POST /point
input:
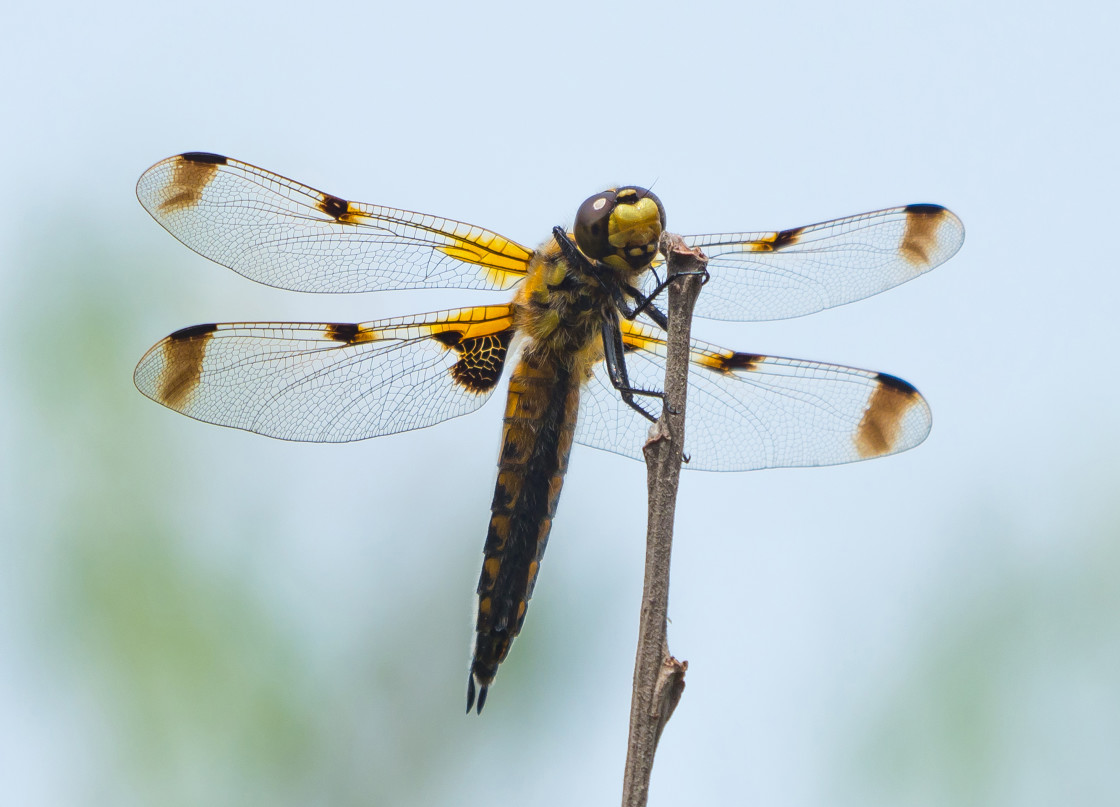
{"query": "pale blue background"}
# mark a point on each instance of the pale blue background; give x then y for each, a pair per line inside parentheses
(197, 616)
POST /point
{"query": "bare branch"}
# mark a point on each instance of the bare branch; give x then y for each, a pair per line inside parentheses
(658, 677)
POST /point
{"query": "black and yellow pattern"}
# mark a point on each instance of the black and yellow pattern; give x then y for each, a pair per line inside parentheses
(335, 382)
(331, 382)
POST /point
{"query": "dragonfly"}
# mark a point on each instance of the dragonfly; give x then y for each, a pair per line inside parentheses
(582, 333)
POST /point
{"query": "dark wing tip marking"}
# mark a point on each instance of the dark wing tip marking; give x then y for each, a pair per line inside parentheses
(880, 428)
(925, 209)
(193, 332)
(896, 384)
(333, 206)
(345, 332)
(203, 157)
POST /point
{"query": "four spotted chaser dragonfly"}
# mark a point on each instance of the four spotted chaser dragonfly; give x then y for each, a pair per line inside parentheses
(582, 332)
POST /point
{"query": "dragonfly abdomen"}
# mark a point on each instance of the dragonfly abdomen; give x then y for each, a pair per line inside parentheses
(537, 436)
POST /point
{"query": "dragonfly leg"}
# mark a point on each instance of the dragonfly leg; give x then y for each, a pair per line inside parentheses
(614, 354)
(645, 303)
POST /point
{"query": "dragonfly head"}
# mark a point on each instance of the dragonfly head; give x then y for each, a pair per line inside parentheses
(620, 227)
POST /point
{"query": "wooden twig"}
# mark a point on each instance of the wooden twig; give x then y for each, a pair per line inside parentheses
(658, 677)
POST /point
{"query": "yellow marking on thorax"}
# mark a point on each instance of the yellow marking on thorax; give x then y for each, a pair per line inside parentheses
(545, 270)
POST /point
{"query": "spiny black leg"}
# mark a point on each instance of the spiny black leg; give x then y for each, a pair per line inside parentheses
(614, 356)
(613, 349)
(567, 246)
(646, 305)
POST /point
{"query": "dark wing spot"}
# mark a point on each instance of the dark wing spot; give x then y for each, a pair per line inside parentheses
(342, 332)
(925, 210)
(481, 358)
(448, 338)
(193, 332)
(741, 361)
(204, 157)
(896, 384)
(787, 238)
(333, 206)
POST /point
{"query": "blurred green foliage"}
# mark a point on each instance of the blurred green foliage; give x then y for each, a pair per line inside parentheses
(1012, 696)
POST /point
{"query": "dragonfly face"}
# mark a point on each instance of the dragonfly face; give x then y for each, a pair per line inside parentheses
(620, 227)
(581, 359)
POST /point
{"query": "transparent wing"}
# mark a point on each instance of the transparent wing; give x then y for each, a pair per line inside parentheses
(284, 234)
(329, 383)
(747, 412)
(790, 273)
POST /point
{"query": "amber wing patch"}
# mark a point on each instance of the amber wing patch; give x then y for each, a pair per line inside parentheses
(183, 354)
(193, 171)
(880, 428)
(919, 242)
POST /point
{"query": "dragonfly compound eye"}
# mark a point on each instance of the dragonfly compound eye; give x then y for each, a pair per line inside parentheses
(620, 227)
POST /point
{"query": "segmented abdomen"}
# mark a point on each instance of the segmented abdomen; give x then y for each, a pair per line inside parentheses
(537, 436)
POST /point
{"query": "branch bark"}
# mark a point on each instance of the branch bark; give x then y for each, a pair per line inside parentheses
(658, 677)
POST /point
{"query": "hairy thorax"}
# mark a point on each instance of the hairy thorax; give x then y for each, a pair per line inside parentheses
(561, 308)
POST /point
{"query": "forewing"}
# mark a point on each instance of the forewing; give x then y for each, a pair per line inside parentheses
(284, 234)
(790, 273)
(747, 412)
(327, 383)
